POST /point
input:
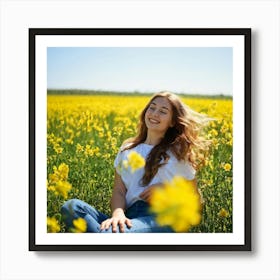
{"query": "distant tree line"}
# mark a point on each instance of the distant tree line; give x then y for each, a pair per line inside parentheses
(136, 93)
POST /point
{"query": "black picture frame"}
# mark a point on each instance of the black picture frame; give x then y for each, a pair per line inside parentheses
(34, 33)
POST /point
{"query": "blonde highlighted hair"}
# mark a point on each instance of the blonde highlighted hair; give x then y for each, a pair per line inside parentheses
(185, 139)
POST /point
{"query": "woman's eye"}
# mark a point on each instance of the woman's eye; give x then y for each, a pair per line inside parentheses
(163, 112)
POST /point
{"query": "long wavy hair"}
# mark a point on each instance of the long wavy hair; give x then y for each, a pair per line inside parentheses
(184, 139)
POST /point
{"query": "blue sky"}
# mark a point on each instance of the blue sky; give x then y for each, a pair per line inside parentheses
(201, 70)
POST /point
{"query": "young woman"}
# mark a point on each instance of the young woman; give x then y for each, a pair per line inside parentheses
(170, 142)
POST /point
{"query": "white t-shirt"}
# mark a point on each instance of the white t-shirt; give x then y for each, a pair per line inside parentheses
(165, 173)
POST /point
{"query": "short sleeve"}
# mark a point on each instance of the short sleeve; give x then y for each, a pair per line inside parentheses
(184, 169)
(176, 168)
(120, 157)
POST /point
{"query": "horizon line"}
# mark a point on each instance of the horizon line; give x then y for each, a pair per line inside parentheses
(139, 91)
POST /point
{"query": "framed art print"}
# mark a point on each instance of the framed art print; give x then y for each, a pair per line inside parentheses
(87, 89)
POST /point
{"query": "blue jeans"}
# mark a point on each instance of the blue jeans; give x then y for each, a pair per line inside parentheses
(142, 220)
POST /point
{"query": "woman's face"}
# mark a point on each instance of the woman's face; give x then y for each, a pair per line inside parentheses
(158, 116)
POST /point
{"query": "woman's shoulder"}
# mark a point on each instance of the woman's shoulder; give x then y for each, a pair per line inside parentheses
(181, 166)
(173, 159)
(126, 144)
(138, 147)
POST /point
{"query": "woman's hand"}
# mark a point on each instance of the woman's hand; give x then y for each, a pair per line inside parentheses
(118, 220)
(147, 193)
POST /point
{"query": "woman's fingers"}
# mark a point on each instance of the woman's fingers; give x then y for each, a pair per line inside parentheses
(115, 223)
(128, 223)
(124, 222)
(114, 226)
(121, 226)
(106, 224)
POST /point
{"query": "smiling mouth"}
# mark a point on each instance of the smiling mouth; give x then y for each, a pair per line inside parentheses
(153, 121)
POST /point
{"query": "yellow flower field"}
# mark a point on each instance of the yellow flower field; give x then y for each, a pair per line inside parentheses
(84, 134)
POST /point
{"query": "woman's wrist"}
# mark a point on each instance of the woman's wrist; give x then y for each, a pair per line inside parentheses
(118, 211)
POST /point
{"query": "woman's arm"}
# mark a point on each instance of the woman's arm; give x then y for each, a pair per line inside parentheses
(118, 207)
(146, 194)
(118, 195)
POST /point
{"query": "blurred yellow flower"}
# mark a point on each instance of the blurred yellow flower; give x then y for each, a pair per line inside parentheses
(52, 225)
(80, 225)
(125, 164)
(227, 167)
(177, 204)
(135, 161)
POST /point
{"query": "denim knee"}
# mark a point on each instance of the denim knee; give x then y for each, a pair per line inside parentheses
(70, 207)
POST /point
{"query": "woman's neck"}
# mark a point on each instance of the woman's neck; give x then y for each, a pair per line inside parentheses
(153, 139)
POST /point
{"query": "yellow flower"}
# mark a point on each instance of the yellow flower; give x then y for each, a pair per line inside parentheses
(58, 149)
(91, 151)
(63, 170)
(51, 188)
(69, 141)
(60, 173)
(52, 225)
(230, 142)
(135, 161)
(223, 213)
(62, 188)
(214, 132)
(79, 148)
(227, 167)
(177, 204)
(209, 163)
(58, 180)
(80, 225)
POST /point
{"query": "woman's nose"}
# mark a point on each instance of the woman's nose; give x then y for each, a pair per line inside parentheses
(156, 113)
